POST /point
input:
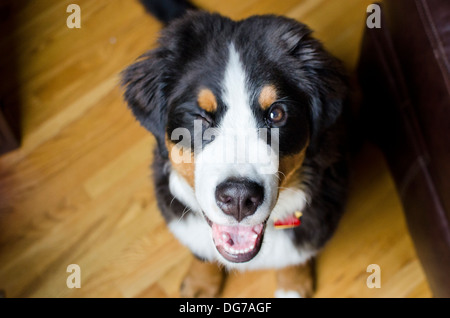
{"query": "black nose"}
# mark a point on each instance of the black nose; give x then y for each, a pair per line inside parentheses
(239, 197)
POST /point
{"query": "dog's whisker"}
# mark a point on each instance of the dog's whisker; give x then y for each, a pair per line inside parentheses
(284, 99)
(298, 191)
(185, 211)
(280, 172)
(171, 201)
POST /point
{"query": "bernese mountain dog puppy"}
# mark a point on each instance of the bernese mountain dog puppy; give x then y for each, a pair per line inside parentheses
(250, 166)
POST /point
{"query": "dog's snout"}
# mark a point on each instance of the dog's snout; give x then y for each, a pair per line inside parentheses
(239, 198)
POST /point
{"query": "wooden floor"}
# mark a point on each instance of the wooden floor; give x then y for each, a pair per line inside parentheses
(78, 190)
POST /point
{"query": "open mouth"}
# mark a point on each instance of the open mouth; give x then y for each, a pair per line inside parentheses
(237, 243)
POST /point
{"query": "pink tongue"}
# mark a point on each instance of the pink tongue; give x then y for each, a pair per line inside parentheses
(238, 238)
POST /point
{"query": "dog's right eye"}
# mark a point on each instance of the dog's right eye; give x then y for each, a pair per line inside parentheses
(276, 116)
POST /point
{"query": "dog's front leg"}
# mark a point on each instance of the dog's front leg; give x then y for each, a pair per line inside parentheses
(203, 280)
(296, 281)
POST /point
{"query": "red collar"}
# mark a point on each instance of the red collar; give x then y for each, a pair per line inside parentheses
(288, 222)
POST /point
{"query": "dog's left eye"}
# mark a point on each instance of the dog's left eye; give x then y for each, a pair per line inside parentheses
(276, 116)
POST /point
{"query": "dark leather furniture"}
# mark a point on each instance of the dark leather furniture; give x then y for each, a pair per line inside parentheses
(8, 139)
(403, 73)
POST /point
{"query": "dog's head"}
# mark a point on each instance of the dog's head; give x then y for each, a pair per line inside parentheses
(235, 107)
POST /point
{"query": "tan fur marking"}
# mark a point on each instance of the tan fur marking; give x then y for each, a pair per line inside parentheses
(202, 280)
(185, 169)
(289, 165)
(267, 96)
(298, 278)
(206, 100)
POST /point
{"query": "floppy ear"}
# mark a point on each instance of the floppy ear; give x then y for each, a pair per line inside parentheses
(327, 83)
(144, 92)
(332, 88)
(319, 74)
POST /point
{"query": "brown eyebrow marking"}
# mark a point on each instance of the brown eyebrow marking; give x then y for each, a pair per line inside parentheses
(267, 96)
(207, 100)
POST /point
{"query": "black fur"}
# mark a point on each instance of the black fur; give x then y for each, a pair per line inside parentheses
(167, 10)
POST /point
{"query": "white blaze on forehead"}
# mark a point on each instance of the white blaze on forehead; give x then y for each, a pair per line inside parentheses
(235, 95)
(234, 149)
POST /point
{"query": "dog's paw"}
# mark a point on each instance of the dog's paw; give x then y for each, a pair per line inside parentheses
(281, 293)
(203, 280)
(193, 288)
(302, 290)
(296, 281)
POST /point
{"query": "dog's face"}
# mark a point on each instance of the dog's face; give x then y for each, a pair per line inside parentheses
(235, 107)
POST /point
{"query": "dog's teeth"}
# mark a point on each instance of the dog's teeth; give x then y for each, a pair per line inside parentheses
(254, 236)
(246, 250)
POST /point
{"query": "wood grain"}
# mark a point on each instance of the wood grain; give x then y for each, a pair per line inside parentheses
(78, 190)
